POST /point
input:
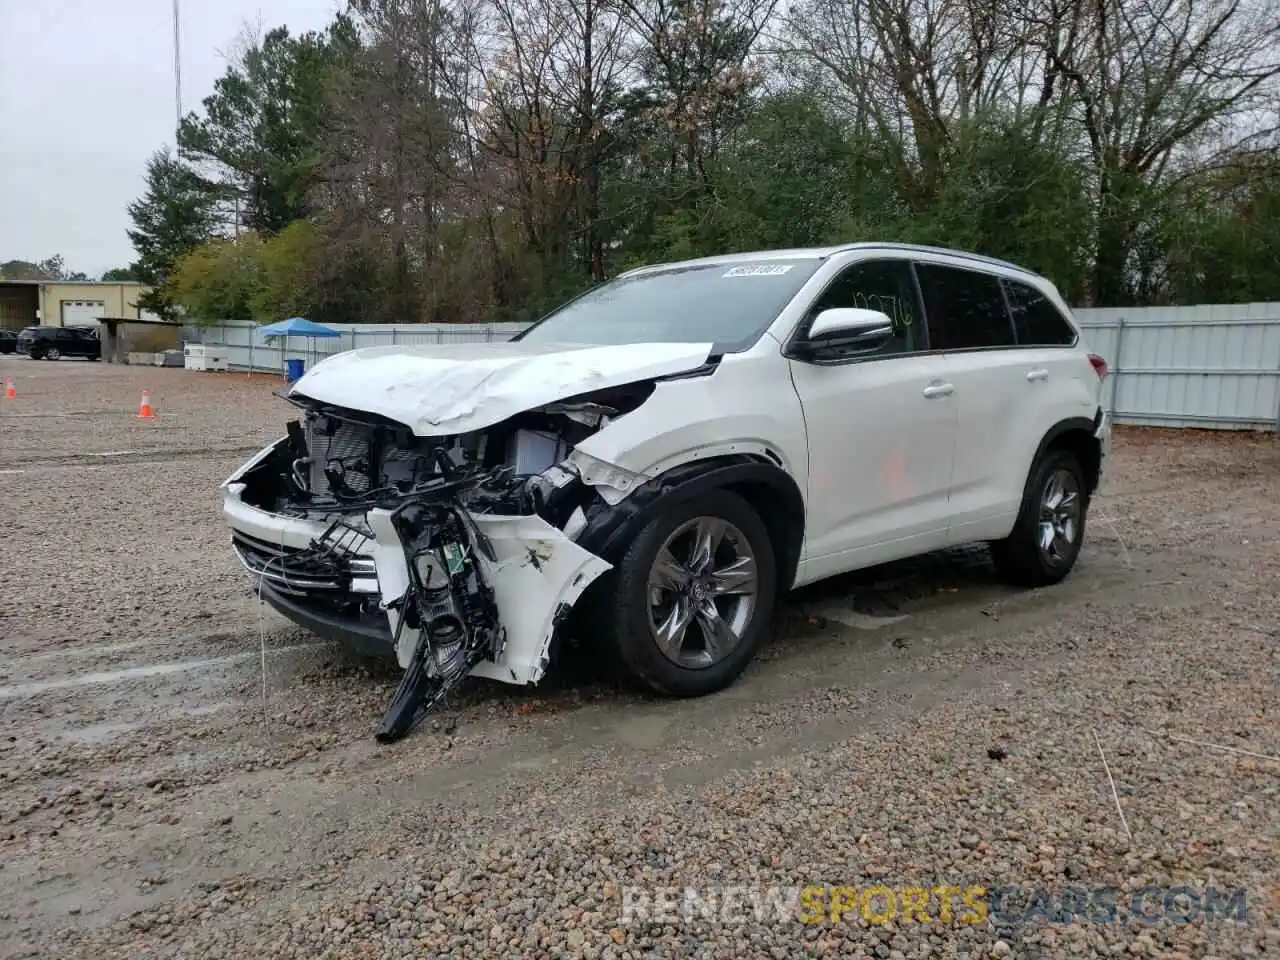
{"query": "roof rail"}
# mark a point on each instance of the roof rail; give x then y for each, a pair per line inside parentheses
(823, 253)
(946, 251)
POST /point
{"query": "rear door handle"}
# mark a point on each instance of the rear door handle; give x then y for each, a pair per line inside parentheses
(1038, 374)
(936, 390)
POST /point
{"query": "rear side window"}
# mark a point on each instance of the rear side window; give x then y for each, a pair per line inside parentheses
(964, 310)
(1037, 321)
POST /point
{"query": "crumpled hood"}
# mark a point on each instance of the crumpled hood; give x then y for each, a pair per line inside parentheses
(450, 388)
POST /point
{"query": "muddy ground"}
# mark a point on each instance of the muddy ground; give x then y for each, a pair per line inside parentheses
(162, 794)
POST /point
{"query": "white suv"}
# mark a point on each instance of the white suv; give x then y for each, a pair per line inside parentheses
(689, 440)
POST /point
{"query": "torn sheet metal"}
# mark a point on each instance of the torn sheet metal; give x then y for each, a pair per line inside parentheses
(392, 571)
(613, 483)
(536, 573)
(444, 389)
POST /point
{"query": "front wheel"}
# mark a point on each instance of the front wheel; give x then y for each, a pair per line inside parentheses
(693, 597)
(53, 353)
(1049, 531)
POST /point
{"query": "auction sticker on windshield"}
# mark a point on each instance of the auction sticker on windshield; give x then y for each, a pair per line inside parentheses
(760, 270)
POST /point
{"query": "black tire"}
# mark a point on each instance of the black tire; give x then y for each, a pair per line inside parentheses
(35, 354)
(622, 609)
(1020, 558)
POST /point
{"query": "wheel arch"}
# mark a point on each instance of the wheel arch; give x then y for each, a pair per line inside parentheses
(1076, 434)
(770, 490)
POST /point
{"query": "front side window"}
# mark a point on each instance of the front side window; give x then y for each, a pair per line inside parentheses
(727, 304)
(883, 285)
(965, 309)
(1035, 318)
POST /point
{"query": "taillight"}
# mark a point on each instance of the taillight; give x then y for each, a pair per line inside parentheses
(1099, 366)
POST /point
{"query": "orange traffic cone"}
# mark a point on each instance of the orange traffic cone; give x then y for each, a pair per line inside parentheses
(144, 409)
(9, 392)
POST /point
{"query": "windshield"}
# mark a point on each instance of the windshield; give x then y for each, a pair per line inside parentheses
(728, 304)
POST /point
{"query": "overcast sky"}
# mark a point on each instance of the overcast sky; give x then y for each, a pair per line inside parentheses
(86, 95)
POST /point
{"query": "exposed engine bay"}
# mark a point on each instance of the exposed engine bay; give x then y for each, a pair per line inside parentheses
(414, 529)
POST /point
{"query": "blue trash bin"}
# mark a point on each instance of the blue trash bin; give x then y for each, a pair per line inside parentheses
(294, 367)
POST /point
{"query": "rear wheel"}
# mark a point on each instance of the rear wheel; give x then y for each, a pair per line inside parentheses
(1046, 539)
(693, 597)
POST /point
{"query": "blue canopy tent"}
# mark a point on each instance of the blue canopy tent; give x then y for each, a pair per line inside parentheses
(297, 327)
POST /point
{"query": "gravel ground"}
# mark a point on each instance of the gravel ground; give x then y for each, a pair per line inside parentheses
(914, 726)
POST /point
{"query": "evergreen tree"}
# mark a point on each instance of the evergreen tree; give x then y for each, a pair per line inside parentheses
(176, 213)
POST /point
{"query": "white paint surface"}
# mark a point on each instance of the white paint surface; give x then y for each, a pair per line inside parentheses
(444, 389)
(537, 568)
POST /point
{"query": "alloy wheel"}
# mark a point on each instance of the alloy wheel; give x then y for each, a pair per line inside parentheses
(1060, 512)
(703, 587)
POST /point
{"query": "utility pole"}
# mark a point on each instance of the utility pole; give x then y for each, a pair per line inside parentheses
(177, 75)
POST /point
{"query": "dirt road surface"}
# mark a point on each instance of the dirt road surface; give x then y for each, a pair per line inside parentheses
(920, 725)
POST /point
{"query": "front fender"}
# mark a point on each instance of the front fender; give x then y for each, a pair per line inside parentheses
(610, 528)
(748, 405)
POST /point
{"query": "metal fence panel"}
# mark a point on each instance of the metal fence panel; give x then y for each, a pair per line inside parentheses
(1215, 366)
(247, 349)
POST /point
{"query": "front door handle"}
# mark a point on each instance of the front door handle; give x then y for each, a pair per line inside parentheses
(936, 390)
(1039, 373)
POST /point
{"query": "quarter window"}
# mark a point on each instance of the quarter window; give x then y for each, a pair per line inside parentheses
(965, 309)
(884, 285)
(1035, 318)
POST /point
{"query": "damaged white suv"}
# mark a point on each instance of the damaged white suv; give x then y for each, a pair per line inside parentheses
(693, 439)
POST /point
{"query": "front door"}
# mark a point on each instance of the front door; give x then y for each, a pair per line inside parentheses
(880, 425)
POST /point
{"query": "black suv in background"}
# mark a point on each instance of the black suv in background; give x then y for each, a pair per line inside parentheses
(8, 341)
(50, 343)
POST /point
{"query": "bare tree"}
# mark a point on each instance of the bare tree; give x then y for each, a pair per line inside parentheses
(697, 61)
(1155, 84)
(551, 71)
(911, 73)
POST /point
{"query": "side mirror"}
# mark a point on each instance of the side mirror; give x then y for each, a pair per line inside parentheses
(852, 323)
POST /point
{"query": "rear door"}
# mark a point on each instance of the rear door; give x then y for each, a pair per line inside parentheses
(1060, 378)
(68, 342)
(969, 323)
(87, 343)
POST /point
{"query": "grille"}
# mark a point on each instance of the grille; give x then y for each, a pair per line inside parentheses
(299, 572)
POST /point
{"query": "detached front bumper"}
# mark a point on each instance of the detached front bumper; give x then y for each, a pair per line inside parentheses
(346, 592)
